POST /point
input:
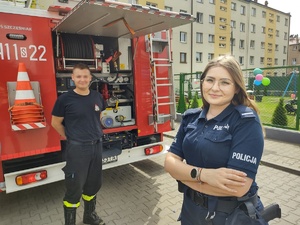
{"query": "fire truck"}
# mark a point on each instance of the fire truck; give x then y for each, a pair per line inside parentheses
(128, 50)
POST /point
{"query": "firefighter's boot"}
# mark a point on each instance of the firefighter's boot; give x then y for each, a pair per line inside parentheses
(70, 215)
(89, 214)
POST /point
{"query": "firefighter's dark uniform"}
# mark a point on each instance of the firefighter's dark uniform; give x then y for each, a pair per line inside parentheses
(83, 170)
(233, 139)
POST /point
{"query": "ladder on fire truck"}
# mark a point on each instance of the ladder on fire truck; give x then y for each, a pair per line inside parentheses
(157, 83)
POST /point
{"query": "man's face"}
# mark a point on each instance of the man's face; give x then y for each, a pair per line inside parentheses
(81, 78)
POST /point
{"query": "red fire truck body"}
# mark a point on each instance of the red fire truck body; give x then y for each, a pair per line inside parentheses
(127, 48)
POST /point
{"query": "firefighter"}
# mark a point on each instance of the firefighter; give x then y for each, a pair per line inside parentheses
(218, 148)
(76, 117)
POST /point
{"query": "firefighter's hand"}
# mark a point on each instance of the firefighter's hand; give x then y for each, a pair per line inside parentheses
(223, 178)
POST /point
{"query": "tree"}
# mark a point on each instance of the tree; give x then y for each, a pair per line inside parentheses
(190, 94)
(279, 116)
(195, 103)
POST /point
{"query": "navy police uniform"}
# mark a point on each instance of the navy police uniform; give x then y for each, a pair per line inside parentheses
(233, 139)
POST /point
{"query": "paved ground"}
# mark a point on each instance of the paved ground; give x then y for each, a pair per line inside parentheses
(143, 194)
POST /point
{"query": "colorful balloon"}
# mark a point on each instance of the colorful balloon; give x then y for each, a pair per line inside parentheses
(257, 82)
(257, 71)
(259, 77)
(265, 81)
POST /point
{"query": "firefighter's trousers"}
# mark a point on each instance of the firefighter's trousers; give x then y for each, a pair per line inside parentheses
(83, 171)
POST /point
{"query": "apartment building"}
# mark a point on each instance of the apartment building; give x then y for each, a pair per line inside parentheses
(294, 50)
(256, 34)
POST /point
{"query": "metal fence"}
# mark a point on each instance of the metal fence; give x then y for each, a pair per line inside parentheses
(274, 89)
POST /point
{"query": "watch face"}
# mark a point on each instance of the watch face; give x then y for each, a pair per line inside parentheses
(193, 173)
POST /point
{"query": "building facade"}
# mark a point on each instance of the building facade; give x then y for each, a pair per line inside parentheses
(256, 34)
(294, 50)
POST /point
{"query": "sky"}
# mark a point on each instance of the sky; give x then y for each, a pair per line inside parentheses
(287, 6)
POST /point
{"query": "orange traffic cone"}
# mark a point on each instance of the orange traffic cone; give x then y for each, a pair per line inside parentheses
(24, 92)
(25, 109)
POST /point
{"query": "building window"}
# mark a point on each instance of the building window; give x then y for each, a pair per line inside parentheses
(199, 17)
(233, 42)
(251, 60)
(286, 22)
(222, 38)
(242, 27)
(241, 60)
(223, 1)
(168, 8)
(242, 44)
(262, 45)
(233, 23)
(263, 30)
(151, 4)
(223, 20)
(183, 37)
(270, 45)
(277, 33)
(285, 35)
(211, 56)
(276, 47)
(252, 44)
(263, 14)
(284, 49)
(262, 60)
(211, 38)
(222, 27)
(253, 12)
(294, 47)
(276, 61)
(211, 19)
(200, 1)
(283, 62)
(222, 8)
(182, 57)
(198, 56)
(221, 45)
(243, 10)
(278, 18)
(252, 28)
(233, 6)
(199, 37)
(183, 11)
(212, 1)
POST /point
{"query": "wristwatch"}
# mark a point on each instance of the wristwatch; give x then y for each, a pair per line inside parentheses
(194, 173)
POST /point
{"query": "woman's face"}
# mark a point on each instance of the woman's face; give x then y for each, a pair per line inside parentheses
(218, 87)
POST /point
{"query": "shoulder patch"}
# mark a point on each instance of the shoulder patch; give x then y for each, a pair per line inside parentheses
(191, 112)
(245, 112)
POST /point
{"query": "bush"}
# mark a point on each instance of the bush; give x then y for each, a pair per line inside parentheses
(196, 94)
(190, 94)
(279, 116)
(195, 103)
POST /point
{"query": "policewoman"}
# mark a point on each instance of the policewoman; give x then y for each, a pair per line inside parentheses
(218, 147)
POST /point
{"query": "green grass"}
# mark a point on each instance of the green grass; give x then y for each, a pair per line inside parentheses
(267, 107)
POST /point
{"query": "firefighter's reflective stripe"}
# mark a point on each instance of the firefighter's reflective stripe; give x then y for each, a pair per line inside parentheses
(88, 198)
(71, 205)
